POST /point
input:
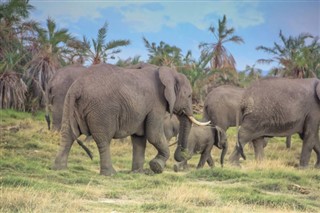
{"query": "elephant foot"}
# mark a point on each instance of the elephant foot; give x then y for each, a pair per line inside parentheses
(108, 172)
(180, 166)
(157, 165)
(235, 164)
(138, 171)
(59, 166)
(176, 168)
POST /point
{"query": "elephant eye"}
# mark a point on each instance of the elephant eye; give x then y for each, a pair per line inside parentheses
(189, 96)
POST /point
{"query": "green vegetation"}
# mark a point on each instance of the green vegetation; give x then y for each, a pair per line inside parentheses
(28, 184)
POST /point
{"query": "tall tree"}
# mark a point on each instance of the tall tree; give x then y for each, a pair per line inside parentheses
(216, 51)
(48, 57)
(13, 55)
(163, 54)
(294, 57)
(102, 50)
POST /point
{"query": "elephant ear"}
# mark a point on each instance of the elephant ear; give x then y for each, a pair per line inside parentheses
(170, 92)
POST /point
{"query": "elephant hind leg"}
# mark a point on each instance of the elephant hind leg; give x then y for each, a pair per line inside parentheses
(205, 156)
(67, 139)
(103, 144)
(244, 136)
(138, 154)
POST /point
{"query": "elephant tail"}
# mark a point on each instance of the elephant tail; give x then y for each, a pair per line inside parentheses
(69, 120)
(86, 149)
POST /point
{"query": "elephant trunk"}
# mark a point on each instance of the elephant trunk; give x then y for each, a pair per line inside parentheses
(223, 153)
(181, 152)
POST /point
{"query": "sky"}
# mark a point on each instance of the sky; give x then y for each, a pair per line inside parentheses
(185, 23)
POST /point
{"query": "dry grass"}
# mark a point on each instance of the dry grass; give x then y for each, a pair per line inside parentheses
(28, 184)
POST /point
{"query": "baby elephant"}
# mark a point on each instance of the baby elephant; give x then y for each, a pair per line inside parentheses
(201, 141)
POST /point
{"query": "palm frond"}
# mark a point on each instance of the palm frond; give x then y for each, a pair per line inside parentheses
(116, 43)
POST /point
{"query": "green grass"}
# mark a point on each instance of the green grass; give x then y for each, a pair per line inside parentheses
(28, 184)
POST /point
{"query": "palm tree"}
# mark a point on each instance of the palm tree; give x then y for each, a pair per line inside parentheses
(293, 56)
(128, 62)
(249, 74)
(163, 54)
(13, 55)
(218, 54)
(103, 51)
(49, 49)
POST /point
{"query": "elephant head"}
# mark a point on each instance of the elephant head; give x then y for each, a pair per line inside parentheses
(178, 94)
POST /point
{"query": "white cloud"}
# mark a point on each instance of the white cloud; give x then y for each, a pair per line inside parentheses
(143, 18)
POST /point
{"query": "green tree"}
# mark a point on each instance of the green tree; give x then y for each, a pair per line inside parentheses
(294, 57)
(14, 31)
(249, 74)
(48, 57)
(163, 54)
(128, 62)
(102, 50)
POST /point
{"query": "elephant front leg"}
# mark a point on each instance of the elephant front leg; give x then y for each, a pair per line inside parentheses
(310, 141)
(316, 148)
(103, 144)
(210, 161)
(158, 163)
(138, 155)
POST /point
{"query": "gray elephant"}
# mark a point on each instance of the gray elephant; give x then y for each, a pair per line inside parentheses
(127, 103)
(56, 91)
(201, 141)
(281, 107)
(222, 106)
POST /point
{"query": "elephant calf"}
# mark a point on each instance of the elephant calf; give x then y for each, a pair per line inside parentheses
(201, 141)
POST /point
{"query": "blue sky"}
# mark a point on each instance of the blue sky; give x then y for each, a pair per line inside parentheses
(185, 23)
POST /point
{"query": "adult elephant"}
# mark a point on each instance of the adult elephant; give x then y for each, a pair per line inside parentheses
(281, 107)
(222, 106)
(128, 103)
(56, 91)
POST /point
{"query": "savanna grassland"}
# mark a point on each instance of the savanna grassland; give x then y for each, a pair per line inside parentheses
(27, 184)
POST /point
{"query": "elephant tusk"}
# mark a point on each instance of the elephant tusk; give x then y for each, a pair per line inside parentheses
(193, 120)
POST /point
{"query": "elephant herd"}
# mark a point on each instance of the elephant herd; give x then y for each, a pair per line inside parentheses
(151, 103)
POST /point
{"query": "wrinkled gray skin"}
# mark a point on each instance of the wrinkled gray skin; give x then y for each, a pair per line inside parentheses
(171, 126)
(127, 103)
(221, 106)
(281, 107)
(57, 90)
(201, 141)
